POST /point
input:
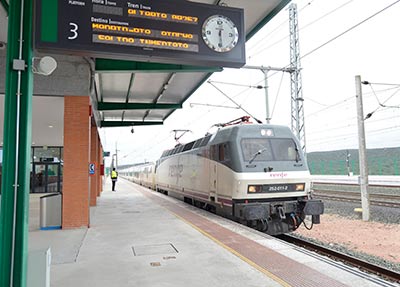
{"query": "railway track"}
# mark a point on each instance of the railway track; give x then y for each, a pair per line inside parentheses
(387, 200)
(347, 259)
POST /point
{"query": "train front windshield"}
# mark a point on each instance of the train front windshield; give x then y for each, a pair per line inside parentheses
(271, 149)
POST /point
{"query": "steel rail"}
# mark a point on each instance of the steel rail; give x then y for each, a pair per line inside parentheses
(336, 255)
(375, 199)
(393, 184)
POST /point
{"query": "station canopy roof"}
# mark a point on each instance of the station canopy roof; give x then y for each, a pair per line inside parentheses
(128, 93)
(137, 93)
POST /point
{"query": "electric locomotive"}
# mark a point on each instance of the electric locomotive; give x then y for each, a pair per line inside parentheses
(255, 174)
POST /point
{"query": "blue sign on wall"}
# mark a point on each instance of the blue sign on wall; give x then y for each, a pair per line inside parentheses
(92, 168)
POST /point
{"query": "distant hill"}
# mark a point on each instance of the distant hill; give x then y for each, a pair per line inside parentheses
(383, 161)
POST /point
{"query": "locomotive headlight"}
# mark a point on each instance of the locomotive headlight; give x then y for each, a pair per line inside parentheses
(300, 187)
(254, 188)
(267, 132)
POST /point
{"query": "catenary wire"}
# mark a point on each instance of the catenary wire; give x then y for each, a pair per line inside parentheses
(277, 28)
(277, 96)
(328, 129)
(348, 30)
(343, 33)
(331, 106)
(186, 125)
(301, 28)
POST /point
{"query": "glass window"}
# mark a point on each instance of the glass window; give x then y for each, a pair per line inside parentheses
(197, 143)
(47, 169)
(251, 147)
(224, 152)
(47, 154)
(205, 140)
(221, 152)
(284, 149)
(273, 149)
(188, 146)
(214, 152)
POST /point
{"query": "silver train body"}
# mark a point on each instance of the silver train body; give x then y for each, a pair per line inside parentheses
(142, 174)
(254, 174)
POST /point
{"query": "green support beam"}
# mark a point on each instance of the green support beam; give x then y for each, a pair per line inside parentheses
(106, 65)
(136, 106)
(17, 141)
(5, 5)
(109, 124)
(128, 93)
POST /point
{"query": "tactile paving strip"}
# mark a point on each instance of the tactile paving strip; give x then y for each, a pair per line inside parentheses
(287, 270)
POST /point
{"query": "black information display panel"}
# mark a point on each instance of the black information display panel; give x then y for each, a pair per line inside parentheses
(168, 31)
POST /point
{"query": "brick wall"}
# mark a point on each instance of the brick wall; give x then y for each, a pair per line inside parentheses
(101, 162)
(76, 160)
(94, 159)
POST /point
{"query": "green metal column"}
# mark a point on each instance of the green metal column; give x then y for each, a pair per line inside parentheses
(17, 148)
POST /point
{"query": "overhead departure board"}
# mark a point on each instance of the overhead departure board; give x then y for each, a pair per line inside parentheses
(168, 31)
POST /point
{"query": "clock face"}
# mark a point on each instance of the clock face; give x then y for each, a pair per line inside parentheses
(220, 33)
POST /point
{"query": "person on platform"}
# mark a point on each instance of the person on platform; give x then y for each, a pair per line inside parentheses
(114, 178)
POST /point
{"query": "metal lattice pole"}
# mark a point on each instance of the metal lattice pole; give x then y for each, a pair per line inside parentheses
(296, 89)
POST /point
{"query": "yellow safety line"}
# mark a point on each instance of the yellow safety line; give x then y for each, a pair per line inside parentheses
(245, 259)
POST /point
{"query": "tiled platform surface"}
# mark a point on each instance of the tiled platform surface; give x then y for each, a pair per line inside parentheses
(141, 238)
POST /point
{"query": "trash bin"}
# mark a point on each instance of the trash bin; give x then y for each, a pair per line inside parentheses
(50, 211)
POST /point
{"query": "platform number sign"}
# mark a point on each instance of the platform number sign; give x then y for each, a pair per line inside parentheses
(92, 168)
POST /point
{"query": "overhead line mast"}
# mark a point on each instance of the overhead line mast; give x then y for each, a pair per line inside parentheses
(296, 88)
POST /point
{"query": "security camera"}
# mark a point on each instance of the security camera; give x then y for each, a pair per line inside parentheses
(46, 65)
(132, 130)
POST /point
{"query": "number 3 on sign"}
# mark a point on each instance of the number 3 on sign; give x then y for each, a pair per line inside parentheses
(74, 31)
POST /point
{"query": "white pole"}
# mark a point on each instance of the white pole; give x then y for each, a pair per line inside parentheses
(267, 115)
(363, 179)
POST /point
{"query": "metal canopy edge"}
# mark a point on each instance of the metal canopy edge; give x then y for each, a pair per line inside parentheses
(135, 106)
(107, 65)
(105, 124)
